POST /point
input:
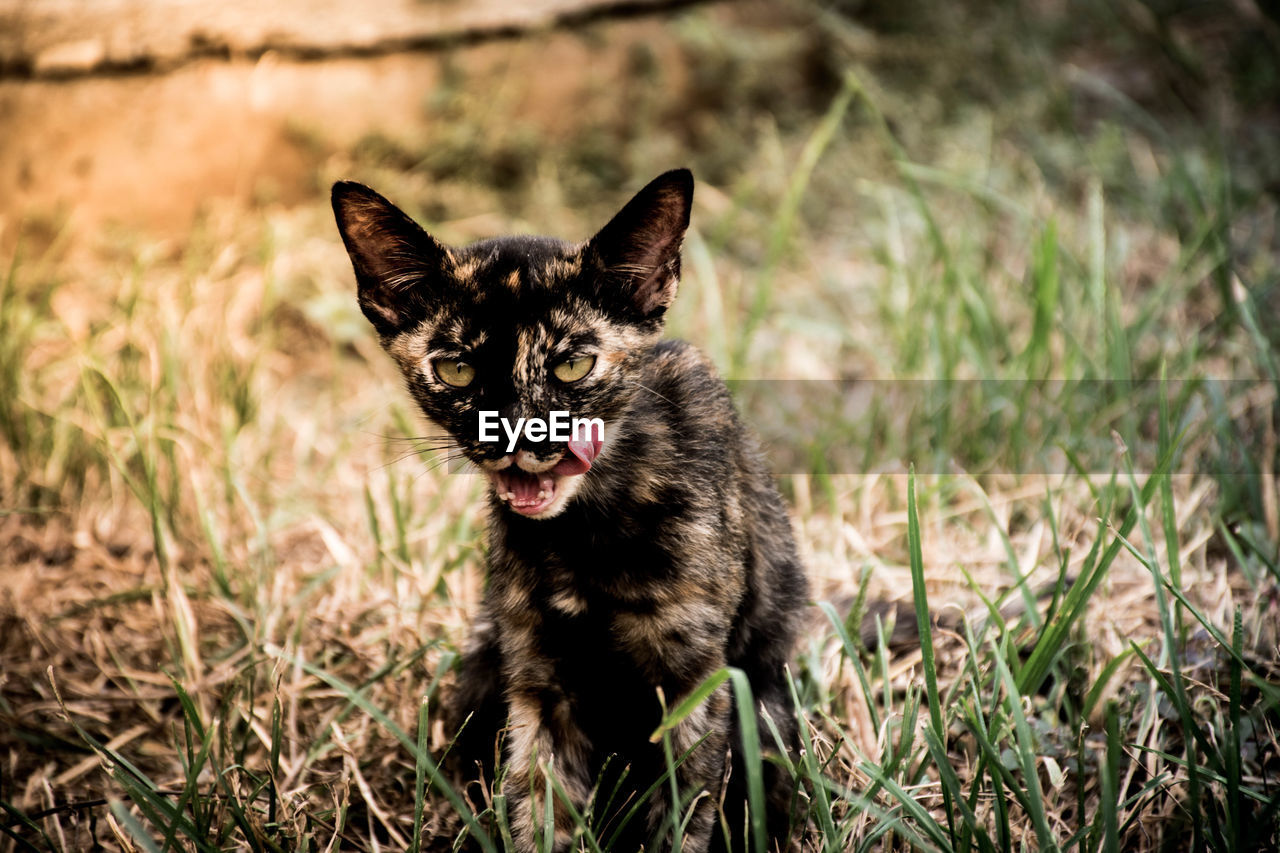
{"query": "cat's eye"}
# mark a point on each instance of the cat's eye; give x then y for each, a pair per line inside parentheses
(454, 371)
(573, 369)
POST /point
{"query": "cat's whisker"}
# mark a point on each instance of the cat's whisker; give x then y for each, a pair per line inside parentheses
(644, 387)
(436, 464)
(386, 436)
(419, 439)
(390, 462)
(434, 456)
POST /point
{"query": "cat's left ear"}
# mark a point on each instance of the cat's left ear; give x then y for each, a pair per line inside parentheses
(640, 247)
(397, 264)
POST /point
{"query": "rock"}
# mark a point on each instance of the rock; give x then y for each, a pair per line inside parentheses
(70, 57)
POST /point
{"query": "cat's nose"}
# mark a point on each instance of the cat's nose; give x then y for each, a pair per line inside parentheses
(528, 461)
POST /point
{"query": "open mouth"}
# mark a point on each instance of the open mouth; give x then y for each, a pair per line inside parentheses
(527, 494)
(532, 494)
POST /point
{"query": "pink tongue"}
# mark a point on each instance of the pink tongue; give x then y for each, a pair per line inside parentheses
(579, 458)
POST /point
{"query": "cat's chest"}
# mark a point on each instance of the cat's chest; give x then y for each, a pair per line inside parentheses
(590, 646)
(639, 604)
(580, 563)
(583, 613)
(593, 605)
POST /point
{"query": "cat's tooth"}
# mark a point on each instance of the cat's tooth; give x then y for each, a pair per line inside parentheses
(541, 494)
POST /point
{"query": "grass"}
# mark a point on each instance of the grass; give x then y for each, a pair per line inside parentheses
(1039, 388)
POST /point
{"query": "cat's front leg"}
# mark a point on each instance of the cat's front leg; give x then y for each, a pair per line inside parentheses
(544, 741)
(678, 643)
(704, 736)
(477, 709)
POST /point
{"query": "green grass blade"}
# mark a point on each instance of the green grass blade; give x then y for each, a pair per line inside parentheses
(1045, 303)
(548, 839)
(852, 652)
(921, 600)
(1054, 636)
(1166, 685)
(948, 778)
(979, 730)
(420, 774)
(579, 819)
(783, 226)
(1110, 772)
(1231, 754)
(919, 815)
(751, 758)
(690, 703)
(1102, 679)
(1025, 748)
(131, 825)
(19, 818)
(811, 771)
(643, 800)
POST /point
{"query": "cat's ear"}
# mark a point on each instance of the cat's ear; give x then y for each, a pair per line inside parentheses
(396, 262)
(640, 247)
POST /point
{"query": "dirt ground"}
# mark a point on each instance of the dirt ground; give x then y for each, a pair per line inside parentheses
(253, 120)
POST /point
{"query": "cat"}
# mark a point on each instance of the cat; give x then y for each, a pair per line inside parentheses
(626, 564)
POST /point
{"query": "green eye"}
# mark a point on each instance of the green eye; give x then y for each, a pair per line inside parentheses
(573, 369)
(454, 371)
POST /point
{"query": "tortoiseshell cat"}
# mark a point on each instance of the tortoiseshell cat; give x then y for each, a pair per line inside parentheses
(646, 558)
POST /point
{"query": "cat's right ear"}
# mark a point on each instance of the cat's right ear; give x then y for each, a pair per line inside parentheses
(395, 261)
(640, 247)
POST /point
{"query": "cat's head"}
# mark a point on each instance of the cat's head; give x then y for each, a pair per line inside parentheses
(521, 327)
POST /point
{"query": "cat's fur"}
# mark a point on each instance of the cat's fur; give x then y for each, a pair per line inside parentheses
(669, 558)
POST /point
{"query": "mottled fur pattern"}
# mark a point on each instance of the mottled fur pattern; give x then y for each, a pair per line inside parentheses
(671, 557)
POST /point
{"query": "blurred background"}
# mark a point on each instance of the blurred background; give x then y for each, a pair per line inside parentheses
(1029, 248)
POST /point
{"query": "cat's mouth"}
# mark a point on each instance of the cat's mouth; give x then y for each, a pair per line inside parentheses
(542, 494)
